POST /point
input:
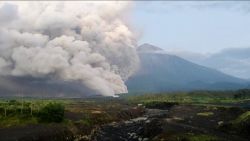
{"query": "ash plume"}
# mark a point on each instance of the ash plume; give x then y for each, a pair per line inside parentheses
(88, 42)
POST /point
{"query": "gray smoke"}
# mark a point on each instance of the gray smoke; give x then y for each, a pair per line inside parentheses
(88, 42)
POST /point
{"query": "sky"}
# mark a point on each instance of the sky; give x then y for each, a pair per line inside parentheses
(197, 31)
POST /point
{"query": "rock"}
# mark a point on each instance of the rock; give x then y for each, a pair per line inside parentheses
(220, 123)
(138, 129)
(156, 113)
(139, 105)
(152, 128)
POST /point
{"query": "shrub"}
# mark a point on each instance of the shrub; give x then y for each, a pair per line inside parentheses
(242, 123)
(242, 94)
(52, 112)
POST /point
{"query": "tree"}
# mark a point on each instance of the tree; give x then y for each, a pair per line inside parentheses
(52, 112)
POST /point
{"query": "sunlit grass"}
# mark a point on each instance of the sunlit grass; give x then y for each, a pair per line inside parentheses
(242, 118)
(205, 114)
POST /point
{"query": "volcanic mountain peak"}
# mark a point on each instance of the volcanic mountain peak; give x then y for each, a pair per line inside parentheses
(148, 48)
(161, 72)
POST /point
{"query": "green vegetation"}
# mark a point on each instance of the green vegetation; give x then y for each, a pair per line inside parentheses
(96, 119)
(17, 120)
(242, 118)
(195, 97)
(205, 114)
(242, 123)
(242, 94)
(29, 111)
(201, 137)
(205, 110)
(21, 111)
(52, 112)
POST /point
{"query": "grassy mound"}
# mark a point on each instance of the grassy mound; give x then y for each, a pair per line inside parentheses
(240, 125)
(243, 118)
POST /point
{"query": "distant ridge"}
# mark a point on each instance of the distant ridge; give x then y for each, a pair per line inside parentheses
(160, 72)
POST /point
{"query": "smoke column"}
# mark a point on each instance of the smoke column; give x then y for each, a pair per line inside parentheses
(89, 42)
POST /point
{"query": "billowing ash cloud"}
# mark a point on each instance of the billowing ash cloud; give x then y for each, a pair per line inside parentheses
(89, 42)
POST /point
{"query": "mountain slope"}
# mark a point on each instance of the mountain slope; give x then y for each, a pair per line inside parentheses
(163, 72)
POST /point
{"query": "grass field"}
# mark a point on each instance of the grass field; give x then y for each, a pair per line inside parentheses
(195, 97)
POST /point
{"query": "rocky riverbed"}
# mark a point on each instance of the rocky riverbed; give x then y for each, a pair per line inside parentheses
(139, 129)
(180, 122)
(174, 123)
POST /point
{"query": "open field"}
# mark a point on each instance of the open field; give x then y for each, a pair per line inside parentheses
(200, 115)
(230, 98)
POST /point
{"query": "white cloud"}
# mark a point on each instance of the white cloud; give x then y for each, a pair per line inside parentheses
(233, 61)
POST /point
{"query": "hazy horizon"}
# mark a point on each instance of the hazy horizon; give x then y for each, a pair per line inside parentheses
(199, 31)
